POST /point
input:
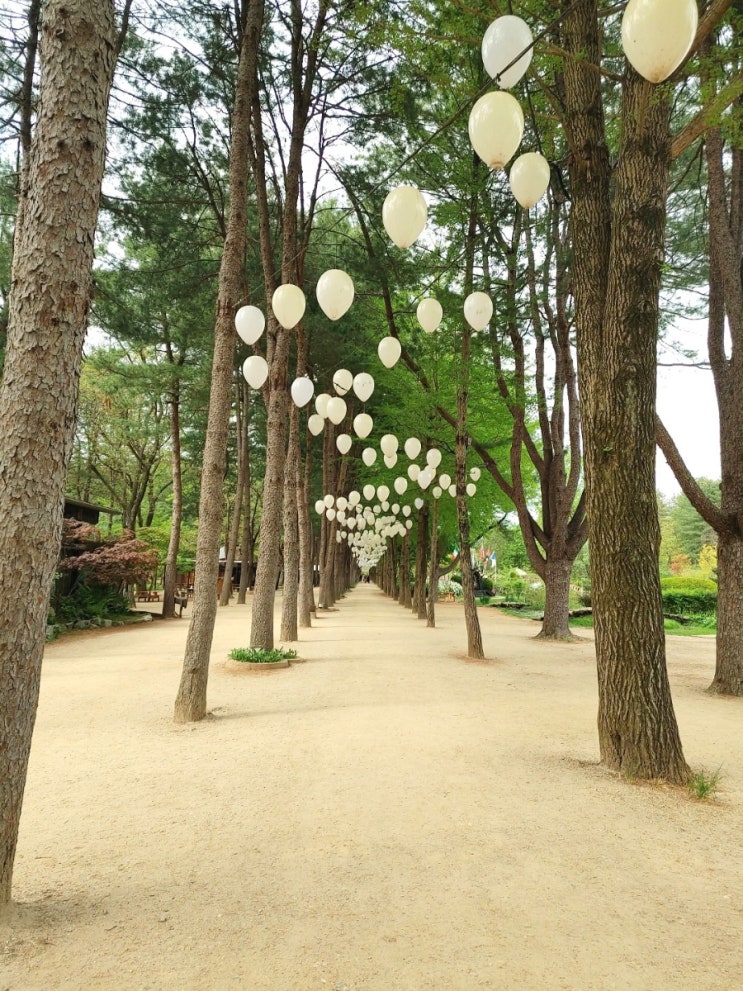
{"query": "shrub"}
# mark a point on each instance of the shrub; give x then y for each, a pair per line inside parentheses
(685, 594)
(259, 655)
(448, 587)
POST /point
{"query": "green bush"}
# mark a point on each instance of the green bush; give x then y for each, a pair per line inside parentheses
(688, 595)
(259, 655)
(90, 602)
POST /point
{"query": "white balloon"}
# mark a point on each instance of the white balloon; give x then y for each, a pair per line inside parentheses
(336, 409)
(302, 390)
(430, 314)
(382, 492)
(388, 444)
(433, 458)
(390, 460)
(342, 503)
(395, 508)
(504, 39)
(255, 370)
(342, 381)
(319, 507)
(475, 474)
(330, 513)
(657, 35)
(329, 500)
(452, 491)
(496, 126)
(363, 386)
(412, 447)
(249, 323)
(444, 481)
(368, 456)
(404, 214)
(343, 442)
(436, 492)
(425, 478)
(400, 484)
(419, 503)
(354, 498)
(529, 178)
(471, 489)
(413, 472)
(409, 524)
(389, 351)
(288, 305)
(406, 510)
(385, 506)
(478, 309)
(321, 404)
(315, 424)
(369, 492)
(335, 293)
(362, 425)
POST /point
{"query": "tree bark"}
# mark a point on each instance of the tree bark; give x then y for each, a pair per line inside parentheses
(404, 598)
(433, 570)
(49, 303)
(555, 625)
(289, 602)
(176, 512)
(306, 560)
(421, 558)
(618, 253)
(246, 542)
(190, 703)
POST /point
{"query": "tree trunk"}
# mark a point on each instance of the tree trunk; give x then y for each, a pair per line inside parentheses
(246, 542)
(46, 330)
(176, 513)
(404, 598)
(306, 560)
(555, 625)
(618, 253)
(728, 678)
(421, 558)
(190, 703)
(289, 602)
(231, 548)
(433, 570)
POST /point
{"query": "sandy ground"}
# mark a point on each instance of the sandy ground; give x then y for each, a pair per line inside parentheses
(385, 816)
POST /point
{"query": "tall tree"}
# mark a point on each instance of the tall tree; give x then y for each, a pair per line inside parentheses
(47, 323)
(190, 703)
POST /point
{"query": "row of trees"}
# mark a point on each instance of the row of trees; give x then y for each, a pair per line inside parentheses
(203, 218)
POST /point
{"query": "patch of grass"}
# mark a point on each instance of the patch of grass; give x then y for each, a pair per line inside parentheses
(258, 655)
(703, 785)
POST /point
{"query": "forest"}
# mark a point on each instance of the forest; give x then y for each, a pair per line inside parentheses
(479, 395)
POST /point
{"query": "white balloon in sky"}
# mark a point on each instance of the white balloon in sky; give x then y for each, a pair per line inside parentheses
(302, 390)
(335, 293)
(404, 215)
(412, 447)
(529, 178)
(658, 34)
(343, 442)
(255, 370)
(368, 456)
(362, 425)
(315, 424)
(430, 314)
(249, 323)
(505, 38)
(496, 126)
(288, 305)
(478, 309)
(336, 409)
(363, 386)
(342, 381)
(389, 351)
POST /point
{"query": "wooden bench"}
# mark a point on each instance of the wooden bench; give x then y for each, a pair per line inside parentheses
(147, 595)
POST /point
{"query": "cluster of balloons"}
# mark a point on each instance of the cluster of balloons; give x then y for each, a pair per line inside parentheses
(366, 527)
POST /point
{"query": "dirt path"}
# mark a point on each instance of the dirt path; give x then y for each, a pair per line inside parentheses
(384, 816)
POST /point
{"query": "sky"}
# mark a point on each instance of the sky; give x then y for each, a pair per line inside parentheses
(687, 405)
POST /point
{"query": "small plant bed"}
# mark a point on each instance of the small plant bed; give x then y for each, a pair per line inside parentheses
(259, 659)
